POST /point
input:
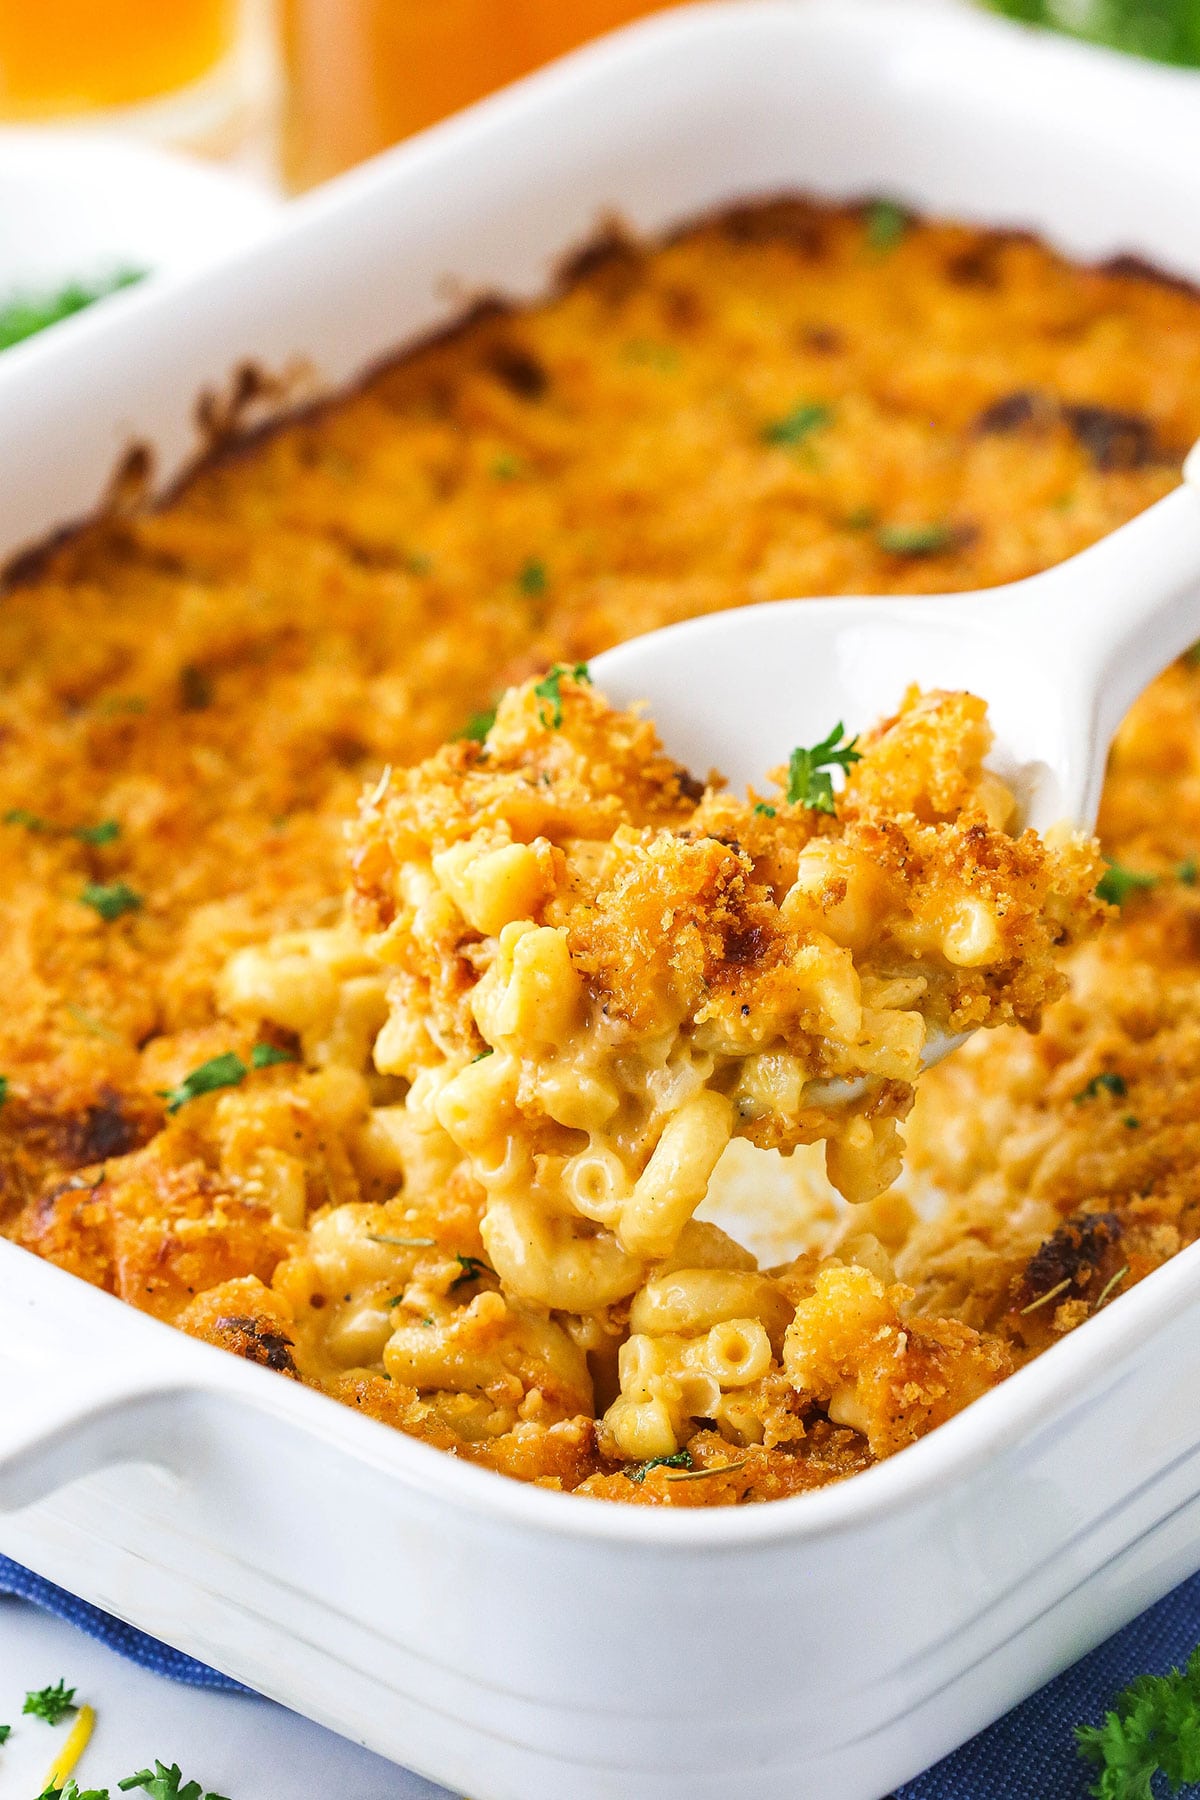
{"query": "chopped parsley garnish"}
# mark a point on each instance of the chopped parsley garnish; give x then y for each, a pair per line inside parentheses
(549, 688)
(533, 578)
(111, 899)
(800, 423)
(1188, 871)
(490, 1051)
(73, 1791)
(1131, 1121)
(23, 317)
(763, 810)
(50, 1703)
(103, 833)
(638, 1472)
(478, 725)
(1117, 883)
(1106, 1081)
(223, 1071)
(809, 781)
(106, 832)
(886, 223)
(5, 1733)
(3, 1089)
(265, 1056)
(508, 468)
(470, 1269)
(161, 1783)
(861, 519)
(914, 540)
(1152, 1727)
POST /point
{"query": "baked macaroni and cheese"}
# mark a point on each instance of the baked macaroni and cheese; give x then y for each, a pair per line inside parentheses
(443, 1152)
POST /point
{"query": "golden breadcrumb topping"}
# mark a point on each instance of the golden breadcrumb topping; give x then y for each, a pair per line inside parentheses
(193, 699)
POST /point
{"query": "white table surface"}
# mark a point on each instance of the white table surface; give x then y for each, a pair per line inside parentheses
(243, 1747)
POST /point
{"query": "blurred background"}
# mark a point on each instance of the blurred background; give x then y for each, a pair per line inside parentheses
(298, 90)
(141, 135)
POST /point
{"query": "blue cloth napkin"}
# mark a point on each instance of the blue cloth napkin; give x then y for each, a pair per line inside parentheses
(1027, 1755)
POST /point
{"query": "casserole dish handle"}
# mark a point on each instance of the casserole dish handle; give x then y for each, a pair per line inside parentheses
(77, 1392)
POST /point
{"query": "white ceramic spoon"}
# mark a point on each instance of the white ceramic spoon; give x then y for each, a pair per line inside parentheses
(1059, 658)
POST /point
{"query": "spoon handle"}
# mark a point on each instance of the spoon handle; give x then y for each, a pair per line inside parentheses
(1114, 616)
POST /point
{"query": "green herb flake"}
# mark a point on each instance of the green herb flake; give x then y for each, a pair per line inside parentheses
(1152, 1727)
(1130, 1121)
(73, 1791)
(508, 468)
(490, 1051)
(1117, 884)
(471, 1268)
(106, 832)
(478, 725)
(161, 1783)
(1188, 871)
(1107, 1082)
(226, 1070)
(862, 518)
(637, 1472)
(809, 781)
(111, 899)
(50, 1703)
(533, 579)
(5, 1733)
(798, 424)
(265, 1056)
(25, 315)
(3, 1089)
(915, 540)
(886, 225)
(549, 688)
(17, 815)
(763, 810)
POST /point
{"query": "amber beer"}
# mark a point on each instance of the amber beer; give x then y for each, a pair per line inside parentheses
(63, 58)
(361, 74)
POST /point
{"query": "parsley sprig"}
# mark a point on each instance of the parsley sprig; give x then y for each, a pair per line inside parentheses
(637, 1472)
(226, 1070)
(24, 316)
(1117, 884)
(50, 1703)
(162, 1783)
(809, 780)
(1152, 1727)
(549, 689)
(111, 899)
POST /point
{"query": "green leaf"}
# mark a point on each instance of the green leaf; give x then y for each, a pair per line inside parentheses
(886, 225)
(915, 540)
(106, 832)
(223, 1071)
(5, 1733)
(162, 1783)
(3, 1089)
(533, 579)
(1117, 884)
(72, 1791)
(1109, 1082)
(1154, 1726)
(809, 783)
(478, 725)
(50, 1703)
(800, 423)
(637, 1472)
(265, 1056)
(110, 899)
(25, 315)
(549, 688)
(471, 1267)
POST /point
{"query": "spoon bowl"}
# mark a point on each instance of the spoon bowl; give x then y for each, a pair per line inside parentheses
(1059, 658)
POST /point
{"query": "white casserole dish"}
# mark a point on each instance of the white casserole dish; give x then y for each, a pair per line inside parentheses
(510, 1642)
